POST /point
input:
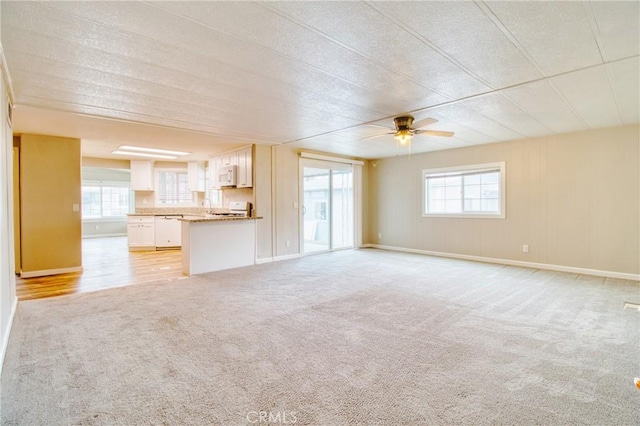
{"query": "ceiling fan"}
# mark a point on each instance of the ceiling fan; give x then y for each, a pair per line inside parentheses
(406, 129)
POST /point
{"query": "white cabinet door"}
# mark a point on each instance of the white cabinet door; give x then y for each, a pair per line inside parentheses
(214, 164)
(133, 234)
(229, 159)
(141, 231)
(213, 173)
(195, 171)
(245, 168)
(148, 235)
(142, 175)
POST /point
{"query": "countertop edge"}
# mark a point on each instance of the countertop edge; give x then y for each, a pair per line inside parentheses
(217, 219)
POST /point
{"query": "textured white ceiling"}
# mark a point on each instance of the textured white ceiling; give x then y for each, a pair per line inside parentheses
(205, 76)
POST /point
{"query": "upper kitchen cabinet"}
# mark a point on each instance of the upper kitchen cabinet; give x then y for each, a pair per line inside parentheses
(245, 169)
(142, 175)
(196, 176)
(214, 165)
(242, 159)
(228, 159)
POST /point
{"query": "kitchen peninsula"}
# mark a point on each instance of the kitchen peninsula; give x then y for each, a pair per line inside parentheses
(212, 243)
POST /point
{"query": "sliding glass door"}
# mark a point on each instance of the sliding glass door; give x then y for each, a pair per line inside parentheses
(327, 210)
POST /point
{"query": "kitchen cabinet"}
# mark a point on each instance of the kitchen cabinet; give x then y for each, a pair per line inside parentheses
(167, 231)
(245, 167)
(214, 165)
(202, 250)
(242, 159)
(141, 232)
(229, 159)
(196, 176)
(142, 175)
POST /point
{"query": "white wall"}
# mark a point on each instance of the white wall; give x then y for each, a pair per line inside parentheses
(573, 198)
(276, 194)
(8, 299)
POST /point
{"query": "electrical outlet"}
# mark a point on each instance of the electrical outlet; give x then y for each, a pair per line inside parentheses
(287, 243)
(525, 248)
(379, 235)
(97, 226)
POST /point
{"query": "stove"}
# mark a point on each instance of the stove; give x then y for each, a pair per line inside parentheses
(237, 209)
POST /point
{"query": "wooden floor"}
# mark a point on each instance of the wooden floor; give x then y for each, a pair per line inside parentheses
(106, 263)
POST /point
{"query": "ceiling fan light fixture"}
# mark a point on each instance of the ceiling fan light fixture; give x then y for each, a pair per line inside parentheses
(403, 137)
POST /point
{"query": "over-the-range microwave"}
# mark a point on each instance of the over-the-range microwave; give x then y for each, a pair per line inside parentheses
(227, 176)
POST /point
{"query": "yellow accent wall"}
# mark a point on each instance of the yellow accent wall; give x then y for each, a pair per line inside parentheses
(50, 185)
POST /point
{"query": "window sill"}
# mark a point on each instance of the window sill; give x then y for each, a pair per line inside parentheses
(105, 219)
(466, 216)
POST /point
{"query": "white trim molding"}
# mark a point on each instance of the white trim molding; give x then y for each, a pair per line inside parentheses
(45, 272)
(545, 266)
(264, 260)
(330, 158)
(6, 76)
(5, 342)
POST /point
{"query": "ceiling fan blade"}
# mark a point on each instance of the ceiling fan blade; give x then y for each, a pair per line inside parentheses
(434, 133)
(424, 123)
(376, 136)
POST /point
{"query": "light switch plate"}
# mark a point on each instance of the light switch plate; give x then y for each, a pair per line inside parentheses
(76, 207)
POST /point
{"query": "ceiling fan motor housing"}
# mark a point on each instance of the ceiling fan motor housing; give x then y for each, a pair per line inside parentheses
(403, 123)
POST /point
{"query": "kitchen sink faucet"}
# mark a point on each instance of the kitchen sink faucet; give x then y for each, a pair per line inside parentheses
(210, 208)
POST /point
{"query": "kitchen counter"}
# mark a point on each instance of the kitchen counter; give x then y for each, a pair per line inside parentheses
(216, 243)
(197, 218)
(162, 214)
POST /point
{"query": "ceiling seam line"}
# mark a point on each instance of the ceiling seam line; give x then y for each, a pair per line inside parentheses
(124, 31)
(275, 52)
(595, 31)
(608, 71)
(128, 112)
(567, 103)
(501, 124)
(352, 50)
(432, 46)
(181, 72)
(479, 95)
(500, 90)
(284, 104)
(122, 91)
(494, 18)
(597, 35)
(488, 12)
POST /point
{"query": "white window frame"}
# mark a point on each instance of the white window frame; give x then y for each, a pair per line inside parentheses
(194, 201)
(468, 169)
(111, 184)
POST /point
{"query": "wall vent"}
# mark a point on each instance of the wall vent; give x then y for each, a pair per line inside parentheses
(632, 306)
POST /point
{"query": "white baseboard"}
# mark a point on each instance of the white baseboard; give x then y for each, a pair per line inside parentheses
(277, 258)
(45, 272)
(547, 266)
(5, 341)
(104, 235)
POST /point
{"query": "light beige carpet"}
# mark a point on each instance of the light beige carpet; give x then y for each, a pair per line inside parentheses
(352, 337)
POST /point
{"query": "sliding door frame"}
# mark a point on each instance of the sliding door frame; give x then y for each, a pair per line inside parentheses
(356, 170)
